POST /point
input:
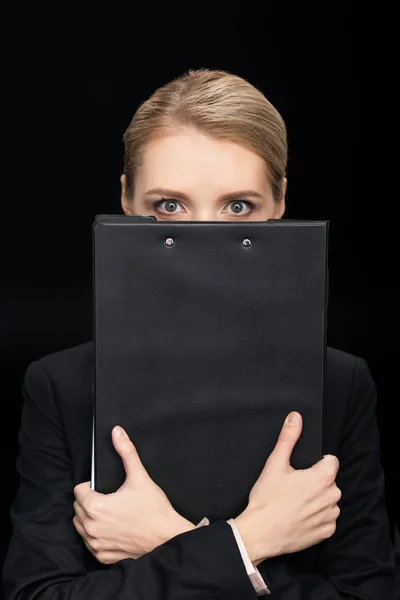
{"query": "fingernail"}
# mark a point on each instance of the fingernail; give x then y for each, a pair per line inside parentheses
(120, 433)
(292, 418)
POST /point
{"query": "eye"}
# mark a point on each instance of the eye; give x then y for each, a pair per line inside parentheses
(238, 206)
(166, 206)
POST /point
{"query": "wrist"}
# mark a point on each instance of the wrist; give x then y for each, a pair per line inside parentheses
(255, 563)
(248, 532)
(179, 524)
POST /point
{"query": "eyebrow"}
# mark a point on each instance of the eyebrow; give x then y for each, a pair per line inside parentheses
(239, 195)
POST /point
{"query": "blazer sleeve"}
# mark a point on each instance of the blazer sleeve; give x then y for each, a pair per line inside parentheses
(357, 562)
(46, 558)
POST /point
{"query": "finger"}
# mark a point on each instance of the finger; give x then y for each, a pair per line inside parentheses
(110, 557)
(82, 532)
(91, 543)
(280, 456)
(103, 556)
(328, 466)
(78, 526)
(89, 547)
(80, 513)
(133, 465)
(89, 500)
(82, 491)
(325, 501)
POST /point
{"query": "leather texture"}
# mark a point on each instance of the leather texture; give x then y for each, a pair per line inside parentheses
(203, 347)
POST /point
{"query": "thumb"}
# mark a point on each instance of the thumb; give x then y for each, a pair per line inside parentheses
(132, 464)
(279, 459)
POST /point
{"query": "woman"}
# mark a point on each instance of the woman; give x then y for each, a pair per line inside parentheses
(208, 146)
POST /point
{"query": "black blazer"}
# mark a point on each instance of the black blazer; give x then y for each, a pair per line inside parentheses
(47, 560)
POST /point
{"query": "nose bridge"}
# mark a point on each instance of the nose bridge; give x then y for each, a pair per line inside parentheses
(209, 215)
(205, 209)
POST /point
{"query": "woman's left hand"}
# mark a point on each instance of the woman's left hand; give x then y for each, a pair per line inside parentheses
(132, 521)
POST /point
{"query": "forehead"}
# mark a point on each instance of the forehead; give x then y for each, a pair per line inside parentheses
(189, 158)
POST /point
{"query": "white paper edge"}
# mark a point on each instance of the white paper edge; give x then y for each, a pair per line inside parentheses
(92, 477)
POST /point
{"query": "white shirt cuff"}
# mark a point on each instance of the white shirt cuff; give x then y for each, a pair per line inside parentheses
(254, 574)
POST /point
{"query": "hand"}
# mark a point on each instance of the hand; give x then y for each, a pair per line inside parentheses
(132, 521)
(290, 510)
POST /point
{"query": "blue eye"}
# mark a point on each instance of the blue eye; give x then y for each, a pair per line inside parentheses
(237, 207)
(170, 206)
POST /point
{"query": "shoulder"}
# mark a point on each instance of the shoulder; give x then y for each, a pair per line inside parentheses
(71, 364)
(75, 364)
(68, 367)
(57, 412)
(346, 372)
(350, 399)
(74, 360)
(64, 377)
(340, 363)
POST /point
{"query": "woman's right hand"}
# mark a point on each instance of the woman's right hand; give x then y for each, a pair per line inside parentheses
(289, 509)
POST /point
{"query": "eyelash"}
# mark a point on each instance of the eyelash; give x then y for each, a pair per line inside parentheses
(247, 202)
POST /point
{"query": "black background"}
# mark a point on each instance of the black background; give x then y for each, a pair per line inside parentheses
(74, 77)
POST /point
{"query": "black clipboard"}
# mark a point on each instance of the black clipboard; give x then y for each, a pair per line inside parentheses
(206, 335)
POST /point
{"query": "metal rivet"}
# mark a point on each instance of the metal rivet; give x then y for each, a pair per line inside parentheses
(169, 242)
(246, 243)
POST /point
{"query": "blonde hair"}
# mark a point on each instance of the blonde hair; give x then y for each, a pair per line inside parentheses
(218, 104)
